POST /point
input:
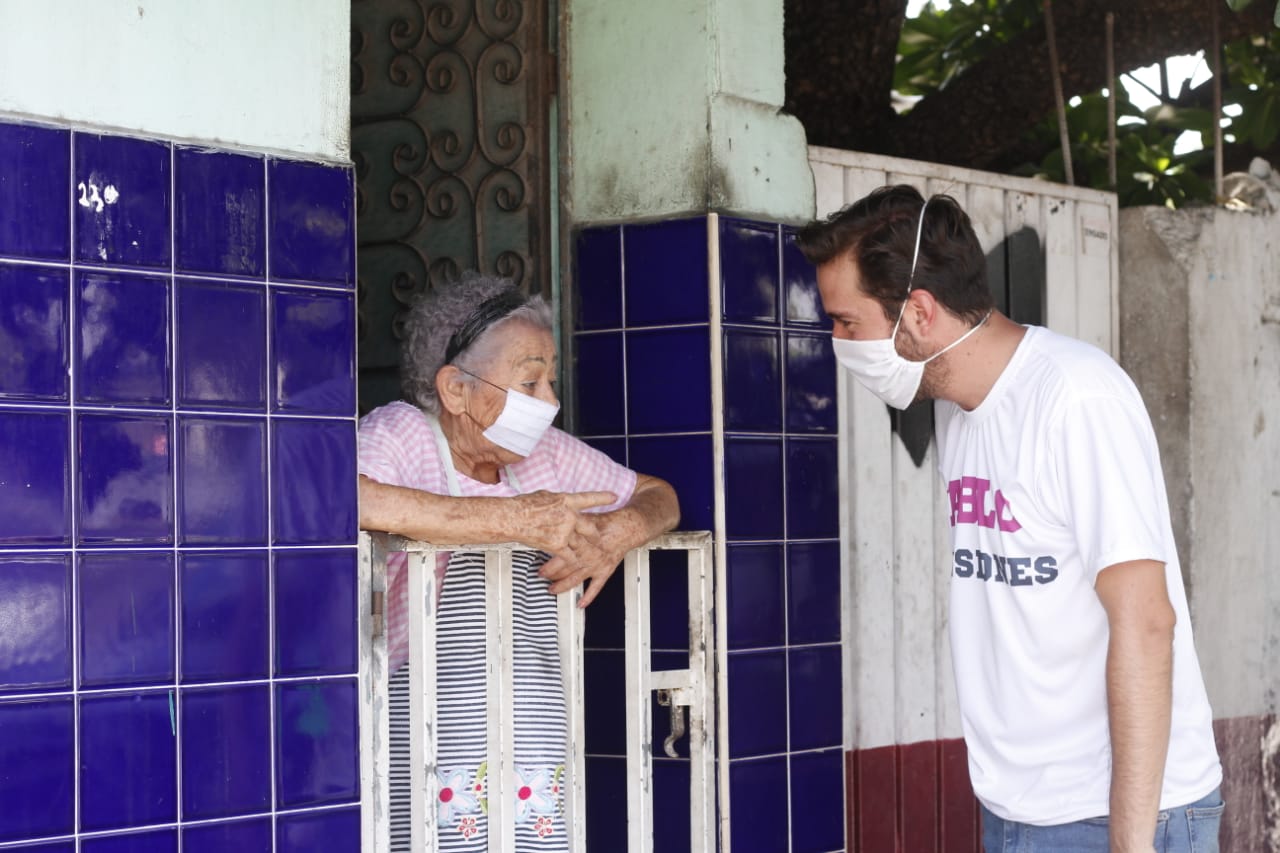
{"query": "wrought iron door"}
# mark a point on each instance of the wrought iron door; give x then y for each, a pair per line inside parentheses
(450, 137)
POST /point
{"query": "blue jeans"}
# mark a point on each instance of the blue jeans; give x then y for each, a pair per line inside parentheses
(1187, 829)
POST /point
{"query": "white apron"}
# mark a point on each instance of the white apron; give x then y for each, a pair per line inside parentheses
(540, 720)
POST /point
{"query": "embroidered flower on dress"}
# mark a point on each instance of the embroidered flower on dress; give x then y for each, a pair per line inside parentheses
(456, 794)
(533, 792)
(543, 826)
(467, 826)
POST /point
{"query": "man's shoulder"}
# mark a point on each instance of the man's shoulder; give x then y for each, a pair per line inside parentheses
(1070, 368)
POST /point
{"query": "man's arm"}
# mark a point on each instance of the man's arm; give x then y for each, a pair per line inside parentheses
(1139, 696)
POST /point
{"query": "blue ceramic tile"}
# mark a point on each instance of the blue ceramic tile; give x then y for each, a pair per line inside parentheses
(815, 677)
(315, 607)
(749, 271)
(604, 689)
(757, 703)
(671, 802)
(752, 381)
(603, 619)
(311, 213)
(335, 831)
(35, 609)
(242, 836)
(813, 592)
(669, 599)
(35, 176)
(606, 797)
(219, 212)
(35, 489)
(811, 383)
(817, 802)
(222, 481)
(313, 348)
(226, 758)
(317, 743)
(55, 847)
(122, 193)
(224, 615)
(126, 480)
(313, 470)
(802, 303)
(126, 618)
(758, 792)
(37, 753)
(601, 385)
(600, 278)
(669, 380)
(222, 347)
(686, 462)
(127, 780)
(614, 448)
(813, 490)
(122, 339)
(33, 331)
(755, 596)
(156, 841)
(753, 487)
(665, 273)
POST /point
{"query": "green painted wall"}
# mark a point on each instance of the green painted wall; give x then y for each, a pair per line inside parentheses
(674, 108)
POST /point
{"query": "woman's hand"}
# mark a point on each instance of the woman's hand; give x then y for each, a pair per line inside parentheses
(600, 540)
(550, 521)
(598, 545)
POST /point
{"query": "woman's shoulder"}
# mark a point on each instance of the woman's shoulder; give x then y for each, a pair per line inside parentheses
(396, 416)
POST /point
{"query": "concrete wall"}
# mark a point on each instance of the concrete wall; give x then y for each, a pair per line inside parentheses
(1200, 334)
(266, 75)
(675, 107)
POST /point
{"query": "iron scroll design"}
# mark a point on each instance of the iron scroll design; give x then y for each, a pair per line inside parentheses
(450, 142)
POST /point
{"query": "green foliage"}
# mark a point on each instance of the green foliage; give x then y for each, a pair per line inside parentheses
(938, 45)
(1147, 170)
(1237, 5)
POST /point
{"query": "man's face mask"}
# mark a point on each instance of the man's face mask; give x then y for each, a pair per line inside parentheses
(877, 364)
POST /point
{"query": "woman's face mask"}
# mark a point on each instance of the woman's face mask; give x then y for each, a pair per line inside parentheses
(878, 365)
(521, 423)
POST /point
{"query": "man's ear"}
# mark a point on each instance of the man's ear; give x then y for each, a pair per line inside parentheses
(451, 389)
(920, 313)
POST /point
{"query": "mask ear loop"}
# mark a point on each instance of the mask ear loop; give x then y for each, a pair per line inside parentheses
(915, 256)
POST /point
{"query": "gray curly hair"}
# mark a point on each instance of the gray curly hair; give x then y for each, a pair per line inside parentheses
(433, 319)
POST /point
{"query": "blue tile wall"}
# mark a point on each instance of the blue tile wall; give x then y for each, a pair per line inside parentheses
(643, 384)
(177, 405)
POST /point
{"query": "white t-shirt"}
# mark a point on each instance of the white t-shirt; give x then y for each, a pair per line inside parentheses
(1054, 477)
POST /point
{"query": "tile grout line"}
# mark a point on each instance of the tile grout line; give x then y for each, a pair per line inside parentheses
(175, 695)
(73, 487)
(269, 315)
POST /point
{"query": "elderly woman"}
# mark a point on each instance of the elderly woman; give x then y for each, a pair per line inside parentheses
(470, 456)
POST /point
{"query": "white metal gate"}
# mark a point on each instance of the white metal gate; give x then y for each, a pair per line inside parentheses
(691, 689)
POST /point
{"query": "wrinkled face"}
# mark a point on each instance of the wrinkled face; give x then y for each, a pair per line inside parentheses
(854, 315)
(525, 361)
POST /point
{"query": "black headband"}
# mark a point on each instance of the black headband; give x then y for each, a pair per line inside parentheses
(490, 311)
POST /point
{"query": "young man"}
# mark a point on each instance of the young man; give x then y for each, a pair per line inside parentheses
(1083, 707)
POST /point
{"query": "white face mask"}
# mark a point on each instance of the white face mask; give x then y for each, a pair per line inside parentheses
(877, 364)
(522, 423)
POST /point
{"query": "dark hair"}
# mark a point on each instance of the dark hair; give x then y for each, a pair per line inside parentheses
(879, 232)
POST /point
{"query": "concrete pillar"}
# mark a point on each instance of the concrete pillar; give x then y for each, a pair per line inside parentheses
(1200, 334)
(674, 108)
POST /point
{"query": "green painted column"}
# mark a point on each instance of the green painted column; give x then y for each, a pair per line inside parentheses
(675, 107)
